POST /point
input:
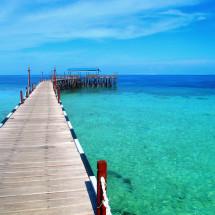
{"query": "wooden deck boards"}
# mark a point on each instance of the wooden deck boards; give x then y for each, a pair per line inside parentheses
(41, 171)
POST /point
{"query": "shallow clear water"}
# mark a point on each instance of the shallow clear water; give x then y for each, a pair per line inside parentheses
(10, 87)
(157, 134)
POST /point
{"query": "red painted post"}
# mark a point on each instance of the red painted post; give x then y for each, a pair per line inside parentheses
(26, 92)
(55, 77)
(29, 80)
(101, 172)
(21, 97)
(32, 87)
(58, 96)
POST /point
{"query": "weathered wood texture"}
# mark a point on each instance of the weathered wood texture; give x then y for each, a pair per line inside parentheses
(41, 171)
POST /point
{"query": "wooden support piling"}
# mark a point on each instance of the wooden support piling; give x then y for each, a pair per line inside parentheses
(80, 81)
(101, 172)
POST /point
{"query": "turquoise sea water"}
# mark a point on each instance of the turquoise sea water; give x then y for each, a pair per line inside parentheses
(157, 134)
(10, 87)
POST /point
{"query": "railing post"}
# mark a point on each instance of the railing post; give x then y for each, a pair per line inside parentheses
(55, 77)
(58, 96)
(26, 92)
(32, 87)
(21, 97)
(29, 80)
(101, 172)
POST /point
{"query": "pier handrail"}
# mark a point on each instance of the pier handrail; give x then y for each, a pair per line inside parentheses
(103, 207)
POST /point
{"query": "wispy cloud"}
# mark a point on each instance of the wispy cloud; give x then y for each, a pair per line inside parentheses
(195, 62)
(26, 24)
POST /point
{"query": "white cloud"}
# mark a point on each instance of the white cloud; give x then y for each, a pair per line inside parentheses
(29, 24)
(193, 62)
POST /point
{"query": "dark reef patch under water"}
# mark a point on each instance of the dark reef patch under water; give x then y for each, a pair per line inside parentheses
(200, 98)
(112, 173)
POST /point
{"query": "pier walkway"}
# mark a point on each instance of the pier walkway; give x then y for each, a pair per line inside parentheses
(41, 171)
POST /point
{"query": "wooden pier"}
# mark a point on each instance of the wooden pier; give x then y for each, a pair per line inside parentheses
(87, 80)
(41, 171)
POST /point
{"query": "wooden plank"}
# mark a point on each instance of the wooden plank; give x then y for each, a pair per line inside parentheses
(78, 174)
(81, 201)
(44, 196)
(41, 171)
(64, 210)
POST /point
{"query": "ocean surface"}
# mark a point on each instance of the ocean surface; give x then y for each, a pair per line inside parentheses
(10, 87)
(157, 134)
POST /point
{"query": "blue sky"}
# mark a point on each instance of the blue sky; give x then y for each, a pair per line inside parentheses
(125, 36)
